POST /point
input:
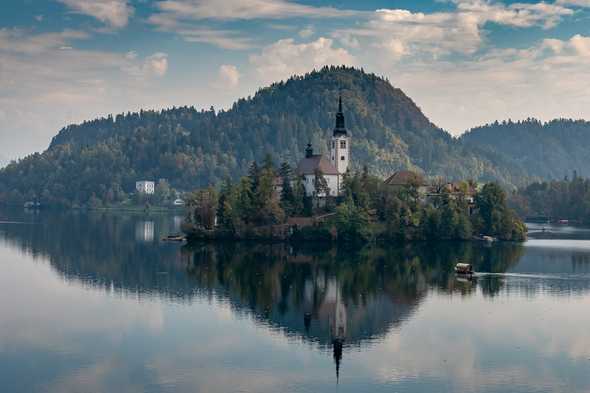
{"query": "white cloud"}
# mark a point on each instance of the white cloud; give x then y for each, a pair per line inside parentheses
(395, 47)
(180, 16)
(224, 39)
(157, 64)
(517, 14)
(404, 33)
(575, 3)
(115, 13)
(285, 58)
(246, 9)
(307, 32)
(19, 41)
(44, 87)
(228, 77)
(580, 44)
(547, 80)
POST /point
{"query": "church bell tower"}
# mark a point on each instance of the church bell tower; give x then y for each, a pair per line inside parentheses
(340, 147)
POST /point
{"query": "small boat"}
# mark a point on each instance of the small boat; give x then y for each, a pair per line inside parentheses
(174, 238)
(485, 238)
(464, 269)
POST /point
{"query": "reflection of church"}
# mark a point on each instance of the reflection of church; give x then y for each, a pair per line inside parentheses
(337, 321)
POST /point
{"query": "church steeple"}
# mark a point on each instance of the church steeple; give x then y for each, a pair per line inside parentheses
(340, 128)
(340, 144)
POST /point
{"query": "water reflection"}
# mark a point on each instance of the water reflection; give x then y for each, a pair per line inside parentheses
(144, 231)
(402, 305)
(362, 294)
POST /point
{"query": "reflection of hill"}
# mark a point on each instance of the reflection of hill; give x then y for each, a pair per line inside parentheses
(103, 250)
(319, 295)
(300, 291)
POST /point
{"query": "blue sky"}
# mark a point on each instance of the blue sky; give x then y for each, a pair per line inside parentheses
(465, 62)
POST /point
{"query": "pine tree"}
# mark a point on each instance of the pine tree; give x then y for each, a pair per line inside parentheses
(320, 183)
(287, 192)
(268, 163)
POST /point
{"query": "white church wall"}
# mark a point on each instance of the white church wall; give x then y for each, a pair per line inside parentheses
(331, 180)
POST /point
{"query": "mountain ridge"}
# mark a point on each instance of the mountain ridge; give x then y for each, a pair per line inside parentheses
(545, 150)
(103, 158)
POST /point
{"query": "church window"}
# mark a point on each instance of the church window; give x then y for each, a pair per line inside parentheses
(343, 144)
(342, 158)
(333, 144)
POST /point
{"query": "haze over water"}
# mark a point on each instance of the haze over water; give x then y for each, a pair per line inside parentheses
(94, 302)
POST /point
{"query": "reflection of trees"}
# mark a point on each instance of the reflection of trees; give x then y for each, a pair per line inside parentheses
(100, 249)
(297, 290)
(331, 297)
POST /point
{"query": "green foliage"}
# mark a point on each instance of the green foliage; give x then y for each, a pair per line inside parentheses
(320, 183)
(194, 149)
(563, 199)
(369, 209)
(352, 222)
(288, 202)
(163, 194)
(531, 150)
(203, 204)
(251, 202)
(493, 216)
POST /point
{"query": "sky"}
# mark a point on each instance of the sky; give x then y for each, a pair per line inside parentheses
(464, 62)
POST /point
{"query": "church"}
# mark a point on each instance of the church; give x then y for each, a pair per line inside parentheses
(332, 168)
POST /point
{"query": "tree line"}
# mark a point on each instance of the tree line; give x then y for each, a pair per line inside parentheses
(558, 199)
(367, 209)
(99, 161)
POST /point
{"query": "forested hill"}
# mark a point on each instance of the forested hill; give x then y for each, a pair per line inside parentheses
(192, 148)
(549, 150)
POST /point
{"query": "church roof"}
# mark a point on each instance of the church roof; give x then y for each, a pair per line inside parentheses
(405, 178)
(308, 165)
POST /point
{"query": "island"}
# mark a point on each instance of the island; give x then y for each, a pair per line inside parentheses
(325, 199)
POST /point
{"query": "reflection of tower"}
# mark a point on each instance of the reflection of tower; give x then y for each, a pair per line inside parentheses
(144, 231)
(337, 344)
(339, 323)
(177, 222)
(338, 331)
(307, 321)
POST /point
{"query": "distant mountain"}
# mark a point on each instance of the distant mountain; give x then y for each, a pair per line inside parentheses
(102, 159)
(549, 150)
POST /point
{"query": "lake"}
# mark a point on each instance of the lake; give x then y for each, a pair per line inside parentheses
(95, 302)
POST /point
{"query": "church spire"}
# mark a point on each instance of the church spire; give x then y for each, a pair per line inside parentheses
(337, 353)
(340, 128)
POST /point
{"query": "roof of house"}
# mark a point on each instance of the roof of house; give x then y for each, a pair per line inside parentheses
(308, 165)
(405, 178)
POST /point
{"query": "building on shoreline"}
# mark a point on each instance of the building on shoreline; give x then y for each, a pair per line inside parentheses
(145, 187)
(332, 169)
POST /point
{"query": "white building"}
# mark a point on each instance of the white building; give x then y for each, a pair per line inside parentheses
(332, 168)
(145, 187)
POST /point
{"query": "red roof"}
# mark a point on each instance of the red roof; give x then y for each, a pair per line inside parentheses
(308, 166)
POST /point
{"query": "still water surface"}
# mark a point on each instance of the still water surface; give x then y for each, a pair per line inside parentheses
(94, 302)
